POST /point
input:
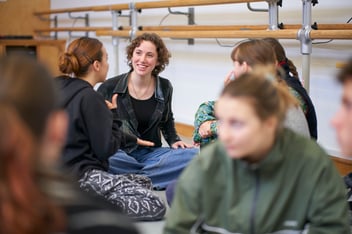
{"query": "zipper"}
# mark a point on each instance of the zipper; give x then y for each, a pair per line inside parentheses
(255, 200)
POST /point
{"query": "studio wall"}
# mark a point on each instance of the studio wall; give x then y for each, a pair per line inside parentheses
(197, 71)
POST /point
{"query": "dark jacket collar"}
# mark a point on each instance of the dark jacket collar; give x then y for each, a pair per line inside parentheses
(122, 84)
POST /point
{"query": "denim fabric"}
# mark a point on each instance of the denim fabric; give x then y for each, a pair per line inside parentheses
(170, 192)
(161, 164)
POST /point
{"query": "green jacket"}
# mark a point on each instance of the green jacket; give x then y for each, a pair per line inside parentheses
(295, 188)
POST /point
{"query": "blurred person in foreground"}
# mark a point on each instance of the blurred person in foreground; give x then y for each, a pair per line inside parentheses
(342, 122)
(259, 177)
(35, 198)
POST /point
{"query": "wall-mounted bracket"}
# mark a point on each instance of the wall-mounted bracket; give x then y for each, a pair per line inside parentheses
(86, 23)
(55, 22)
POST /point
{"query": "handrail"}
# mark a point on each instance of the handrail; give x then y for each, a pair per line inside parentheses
(284, 34)
(145, 5)
(232, 27)
(122, 6)
(331, 34)
(191, 28)
(71, 29)
(280, 34)
(340, 64)
(183, 3)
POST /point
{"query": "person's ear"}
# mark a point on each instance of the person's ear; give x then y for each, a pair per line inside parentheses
(54, 137)
(246, 67)
(271, 123)
(96, 65)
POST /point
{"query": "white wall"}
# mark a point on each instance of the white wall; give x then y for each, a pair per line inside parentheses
(197, 71)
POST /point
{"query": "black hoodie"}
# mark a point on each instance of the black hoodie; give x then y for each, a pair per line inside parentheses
(93, 133)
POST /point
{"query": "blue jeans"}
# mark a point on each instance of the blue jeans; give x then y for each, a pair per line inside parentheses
(162, 165)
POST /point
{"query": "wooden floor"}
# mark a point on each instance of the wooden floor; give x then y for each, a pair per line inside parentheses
(344, 166)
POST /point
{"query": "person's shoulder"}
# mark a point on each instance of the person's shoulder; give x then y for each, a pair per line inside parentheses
(302, 147)
(164, 81)
(207, 104)
(113, 80)
(110, 82)
(107, 87)
(213, 154)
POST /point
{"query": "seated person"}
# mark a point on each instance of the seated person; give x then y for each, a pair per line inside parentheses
(35, 197)
(296, 88)
(245, 56)
(144, 107)
(94, 134)
(342, 121)
(258, 177)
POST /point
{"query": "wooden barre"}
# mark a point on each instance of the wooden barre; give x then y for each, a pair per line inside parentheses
(231, 27)
(331, 34)
(145, 5)
(189, 28)
(123, 6)
(341, 65)
(199, 27)
(183, 3)
(71, 29)
(32, 42)
(284, 34)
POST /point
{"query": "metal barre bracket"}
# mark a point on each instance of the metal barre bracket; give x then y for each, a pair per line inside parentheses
(86, 22)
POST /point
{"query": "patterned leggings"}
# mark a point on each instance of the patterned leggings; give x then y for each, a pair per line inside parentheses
(131, 193)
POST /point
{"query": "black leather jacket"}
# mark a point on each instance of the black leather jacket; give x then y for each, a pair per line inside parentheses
(162, 119)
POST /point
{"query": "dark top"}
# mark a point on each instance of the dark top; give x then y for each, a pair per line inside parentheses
(161, 120)
(310, 114)
(93, 133)
(144, 110)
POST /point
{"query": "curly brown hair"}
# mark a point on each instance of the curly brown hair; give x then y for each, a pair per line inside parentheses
(162, 51)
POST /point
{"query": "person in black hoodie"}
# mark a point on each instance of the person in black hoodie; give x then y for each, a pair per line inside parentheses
(94, 133)
(293, 82)
(36, 197)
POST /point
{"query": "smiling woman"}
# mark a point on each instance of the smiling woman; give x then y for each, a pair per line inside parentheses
(144, 106)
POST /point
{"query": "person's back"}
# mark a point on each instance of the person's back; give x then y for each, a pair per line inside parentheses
(34, 196)
(292, 80)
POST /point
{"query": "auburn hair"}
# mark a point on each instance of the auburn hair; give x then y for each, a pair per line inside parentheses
(79, 55)
(27, 97)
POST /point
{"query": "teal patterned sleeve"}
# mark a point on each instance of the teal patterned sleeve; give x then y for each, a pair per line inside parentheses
(204, 113)
(214, 127)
